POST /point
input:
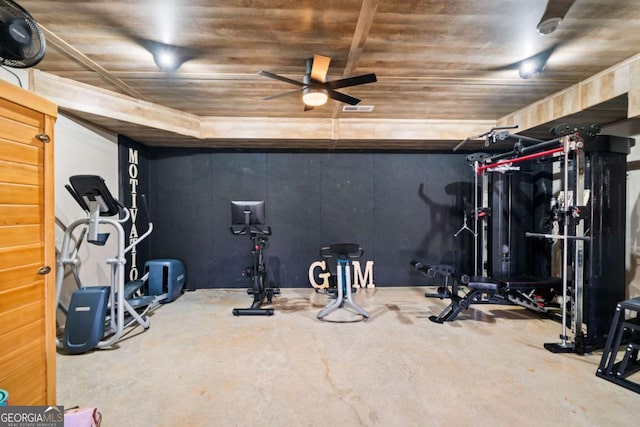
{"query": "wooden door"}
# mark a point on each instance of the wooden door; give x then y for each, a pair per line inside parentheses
(27, 248)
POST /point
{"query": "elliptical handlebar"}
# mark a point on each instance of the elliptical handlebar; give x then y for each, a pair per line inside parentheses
(124, 214)
(145, 209)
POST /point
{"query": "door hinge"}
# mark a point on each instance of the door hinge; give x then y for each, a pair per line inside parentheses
(43, 137)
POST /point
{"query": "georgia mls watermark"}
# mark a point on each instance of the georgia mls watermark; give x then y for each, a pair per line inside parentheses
(31, 416)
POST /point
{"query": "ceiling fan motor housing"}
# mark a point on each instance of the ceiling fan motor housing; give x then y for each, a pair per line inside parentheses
(15, 38)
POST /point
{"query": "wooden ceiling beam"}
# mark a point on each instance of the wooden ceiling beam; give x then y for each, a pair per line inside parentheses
(349, 129)
(634, 90)
(622, 78)
(365, 20)
(79, 97)
(76, 96)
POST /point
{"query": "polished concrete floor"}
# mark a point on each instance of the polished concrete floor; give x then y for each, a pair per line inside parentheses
(198, 365)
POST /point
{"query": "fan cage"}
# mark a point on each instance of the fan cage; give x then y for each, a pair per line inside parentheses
(32, 54)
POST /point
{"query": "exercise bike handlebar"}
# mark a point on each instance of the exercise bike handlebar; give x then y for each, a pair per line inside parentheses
(252, 230)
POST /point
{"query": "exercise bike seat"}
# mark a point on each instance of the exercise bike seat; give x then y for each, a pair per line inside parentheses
(342, 251)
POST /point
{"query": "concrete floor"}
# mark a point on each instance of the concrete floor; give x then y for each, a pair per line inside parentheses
(198, 365)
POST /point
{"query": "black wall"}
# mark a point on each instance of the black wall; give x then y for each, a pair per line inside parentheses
(398, 206)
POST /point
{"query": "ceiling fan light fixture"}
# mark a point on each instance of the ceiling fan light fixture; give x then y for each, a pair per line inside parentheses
(314, 97)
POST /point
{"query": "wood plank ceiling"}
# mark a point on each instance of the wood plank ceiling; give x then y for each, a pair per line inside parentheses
(441, 64)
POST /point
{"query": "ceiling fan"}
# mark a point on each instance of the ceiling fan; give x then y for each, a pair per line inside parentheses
(22, 43)
(314, 87)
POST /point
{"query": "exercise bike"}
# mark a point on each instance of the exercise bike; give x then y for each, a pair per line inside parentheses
(250, 215)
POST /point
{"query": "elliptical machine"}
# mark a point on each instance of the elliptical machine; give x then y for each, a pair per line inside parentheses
(250, 215)
(98, 315)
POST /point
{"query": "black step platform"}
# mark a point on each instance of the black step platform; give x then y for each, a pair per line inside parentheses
(620, 357)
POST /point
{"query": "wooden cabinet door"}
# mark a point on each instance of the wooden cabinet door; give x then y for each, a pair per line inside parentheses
(27, 312)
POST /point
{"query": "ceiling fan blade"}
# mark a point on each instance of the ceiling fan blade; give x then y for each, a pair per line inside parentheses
(347, 99)
(281, 78)
(320, 68)
(553, 14)
(307, 107)
(351, 81)
(291, 92)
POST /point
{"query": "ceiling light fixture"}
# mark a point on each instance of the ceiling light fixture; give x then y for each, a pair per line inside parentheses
(165, 60)
(167, 57)
(314, 97)
(533, 66)
(530, 68)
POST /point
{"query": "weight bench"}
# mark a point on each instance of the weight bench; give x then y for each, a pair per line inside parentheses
(534, 293)
(481, 290)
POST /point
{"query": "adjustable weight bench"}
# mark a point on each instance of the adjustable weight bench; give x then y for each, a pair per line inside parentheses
(534, 293)
(481, 290)
(478, 290)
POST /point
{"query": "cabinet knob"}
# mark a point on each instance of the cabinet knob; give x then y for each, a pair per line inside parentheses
(43, 137)
(44, 270)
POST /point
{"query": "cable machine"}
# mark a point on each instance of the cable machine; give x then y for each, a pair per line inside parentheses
(586, 220)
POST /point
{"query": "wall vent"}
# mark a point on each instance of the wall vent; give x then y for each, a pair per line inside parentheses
(357, 108)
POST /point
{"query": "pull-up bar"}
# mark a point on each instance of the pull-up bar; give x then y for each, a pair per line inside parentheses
(482, 168)
(519, 149)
